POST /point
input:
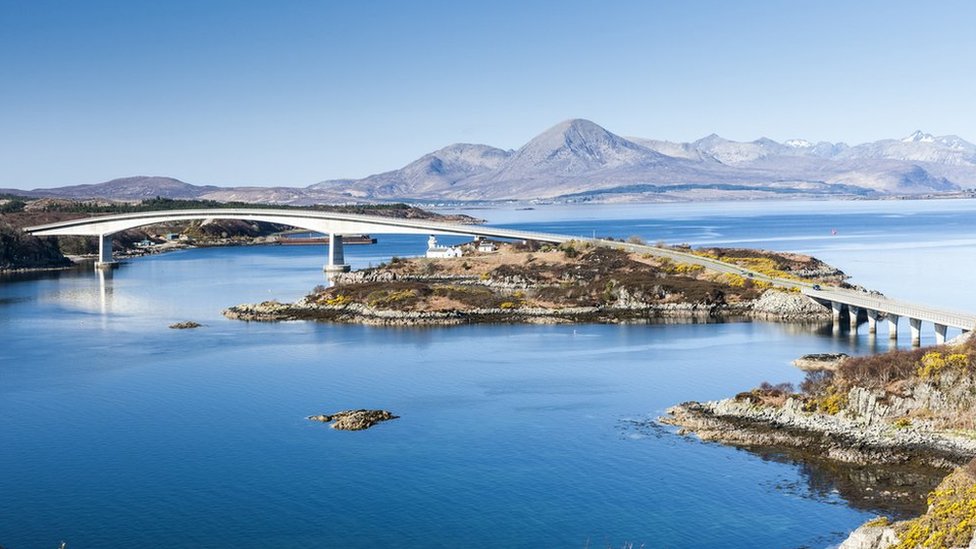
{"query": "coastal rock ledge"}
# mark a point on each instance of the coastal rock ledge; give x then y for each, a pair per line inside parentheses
(854, 440)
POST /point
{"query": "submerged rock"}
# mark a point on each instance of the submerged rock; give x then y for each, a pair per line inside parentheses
(354, 420)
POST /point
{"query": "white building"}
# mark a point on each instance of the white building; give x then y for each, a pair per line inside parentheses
(433, 250)
(486, 246)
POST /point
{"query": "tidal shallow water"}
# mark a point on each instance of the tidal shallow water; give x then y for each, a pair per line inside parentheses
(117, 431)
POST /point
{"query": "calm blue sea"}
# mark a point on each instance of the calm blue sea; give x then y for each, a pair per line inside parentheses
(116, 431)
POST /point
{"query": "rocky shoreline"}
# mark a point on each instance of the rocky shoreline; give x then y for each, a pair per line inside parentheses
(859, 441)
(772, 305)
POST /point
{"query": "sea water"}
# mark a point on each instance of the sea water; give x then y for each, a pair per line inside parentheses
(116, 431)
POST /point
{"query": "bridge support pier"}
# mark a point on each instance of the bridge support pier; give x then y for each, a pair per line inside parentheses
(836, 307)
(336, 263)
(940, 334)
(892, 327)
(853, 312)
(872, 321)
(104, 260)
(916, 325)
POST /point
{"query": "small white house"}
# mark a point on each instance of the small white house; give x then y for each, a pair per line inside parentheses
(486, 246)
(433, 250)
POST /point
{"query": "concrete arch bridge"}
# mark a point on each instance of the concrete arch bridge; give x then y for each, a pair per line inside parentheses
(333, 224)
(337, 224)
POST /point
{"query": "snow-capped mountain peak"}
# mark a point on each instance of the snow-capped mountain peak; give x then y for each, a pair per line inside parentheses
(919, 137)
(798, 143)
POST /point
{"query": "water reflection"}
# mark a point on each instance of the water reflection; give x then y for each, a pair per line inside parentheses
(105, 288)
(898, 491)
(895, 490)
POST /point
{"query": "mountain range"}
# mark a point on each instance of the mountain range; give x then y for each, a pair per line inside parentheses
(577, 160)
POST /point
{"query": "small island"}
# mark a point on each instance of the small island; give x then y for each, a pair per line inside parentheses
(354, 420)
(542, 283)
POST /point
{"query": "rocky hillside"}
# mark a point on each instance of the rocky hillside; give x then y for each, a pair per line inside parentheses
(22, 251)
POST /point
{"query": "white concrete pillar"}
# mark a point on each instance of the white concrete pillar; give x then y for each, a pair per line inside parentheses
(940, 334)
(916, 325)
(892, 326)
(853, 312)
(836, 307)
(336, 262)
(104, 260)
(872, 321)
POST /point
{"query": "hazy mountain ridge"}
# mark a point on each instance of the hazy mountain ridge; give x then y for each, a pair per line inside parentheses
(577, 159)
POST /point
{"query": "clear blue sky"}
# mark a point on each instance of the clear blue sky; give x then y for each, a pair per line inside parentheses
(237, 92)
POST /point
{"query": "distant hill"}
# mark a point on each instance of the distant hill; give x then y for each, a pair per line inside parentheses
(134, 188)
(577, 160)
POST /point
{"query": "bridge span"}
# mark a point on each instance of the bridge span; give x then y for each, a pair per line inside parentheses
(331, 223)
(857, 304)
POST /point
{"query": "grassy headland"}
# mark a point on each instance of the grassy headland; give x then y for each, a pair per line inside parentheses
(531, 282)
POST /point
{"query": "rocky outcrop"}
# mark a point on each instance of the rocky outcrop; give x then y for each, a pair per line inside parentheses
(186, 325)
(363, 277)
(871, 536)
(821, 361)
(266, 310)
(354, 420)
